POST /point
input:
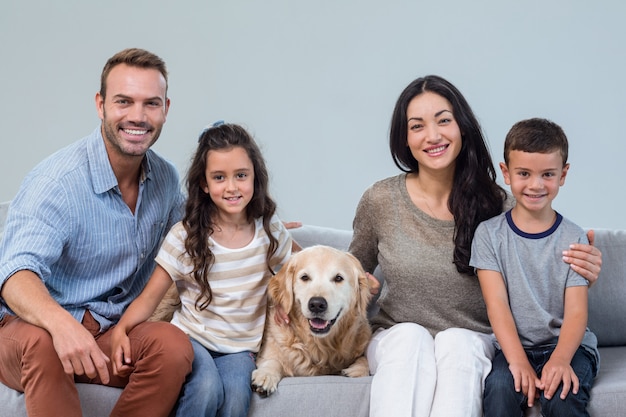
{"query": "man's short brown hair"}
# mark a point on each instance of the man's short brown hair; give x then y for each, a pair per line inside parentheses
(134, 57)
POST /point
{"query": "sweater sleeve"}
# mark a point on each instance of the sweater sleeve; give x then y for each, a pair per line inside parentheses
(364, 244)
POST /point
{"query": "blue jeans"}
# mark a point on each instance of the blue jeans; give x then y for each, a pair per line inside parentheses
(218, 385)
(501, 399)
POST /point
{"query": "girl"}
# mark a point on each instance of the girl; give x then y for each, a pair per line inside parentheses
(221, 257)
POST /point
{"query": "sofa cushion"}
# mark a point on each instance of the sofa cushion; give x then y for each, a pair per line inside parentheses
(95, 400)
(314, 396)
(607, 297)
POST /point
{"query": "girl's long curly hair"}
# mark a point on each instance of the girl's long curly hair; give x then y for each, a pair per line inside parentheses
(201, 211)
(475, 194)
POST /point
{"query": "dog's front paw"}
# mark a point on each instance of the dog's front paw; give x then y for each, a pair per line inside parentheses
(359, 368)
(264, 382)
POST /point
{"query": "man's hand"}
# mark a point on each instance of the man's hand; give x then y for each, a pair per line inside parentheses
(28, 297)
(292, 225)
(78, 351)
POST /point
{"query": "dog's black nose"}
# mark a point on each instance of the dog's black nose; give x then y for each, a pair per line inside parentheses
(317, 305)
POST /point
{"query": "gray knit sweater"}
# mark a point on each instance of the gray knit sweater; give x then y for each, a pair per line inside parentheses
(415, 253)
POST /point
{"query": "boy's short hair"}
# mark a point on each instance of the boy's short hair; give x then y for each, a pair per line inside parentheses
(536, 135)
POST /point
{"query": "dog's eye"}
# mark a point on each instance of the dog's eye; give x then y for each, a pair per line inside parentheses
(338, 278)
(304, 277)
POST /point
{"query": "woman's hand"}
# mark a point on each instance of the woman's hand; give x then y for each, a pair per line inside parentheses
(292, 225)
(585, 259)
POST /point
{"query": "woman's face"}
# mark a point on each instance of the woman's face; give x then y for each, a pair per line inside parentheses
(433, 135)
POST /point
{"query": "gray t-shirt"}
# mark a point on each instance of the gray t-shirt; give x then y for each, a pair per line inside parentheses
(534, 274)
(414, 252)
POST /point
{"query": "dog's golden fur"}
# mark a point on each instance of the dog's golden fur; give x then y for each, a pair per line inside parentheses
(315, 279)
(168, 304)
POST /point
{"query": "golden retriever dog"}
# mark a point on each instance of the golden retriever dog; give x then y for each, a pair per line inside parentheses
(167, 306)
(325, 293)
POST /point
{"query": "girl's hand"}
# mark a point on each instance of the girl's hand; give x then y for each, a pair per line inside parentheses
(120, 352)
(585, 259)
(374, 283)
(280, 317)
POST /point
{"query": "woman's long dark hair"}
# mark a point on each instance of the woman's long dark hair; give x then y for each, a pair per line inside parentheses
(475, 194)
(201, 211)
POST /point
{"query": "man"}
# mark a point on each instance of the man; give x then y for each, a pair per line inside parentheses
(79, 245)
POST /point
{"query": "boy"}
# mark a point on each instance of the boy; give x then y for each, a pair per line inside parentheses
(536, 304)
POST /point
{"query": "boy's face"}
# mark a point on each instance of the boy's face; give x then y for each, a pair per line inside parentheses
(534, 178)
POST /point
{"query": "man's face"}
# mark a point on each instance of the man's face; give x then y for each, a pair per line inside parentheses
(133, 111)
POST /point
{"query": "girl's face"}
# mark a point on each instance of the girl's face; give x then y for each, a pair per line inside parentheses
(229, 179)
(534, 178)
(433, 135)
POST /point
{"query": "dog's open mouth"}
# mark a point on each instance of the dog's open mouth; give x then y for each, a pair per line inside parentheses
(320, 326)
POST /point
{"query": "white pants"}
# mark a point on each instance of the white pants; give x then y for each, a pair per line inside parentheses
(418, 376)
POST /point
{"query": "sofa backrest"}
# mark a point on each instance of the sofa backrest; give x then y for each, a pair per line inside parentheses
(607, 297)
(308, 235)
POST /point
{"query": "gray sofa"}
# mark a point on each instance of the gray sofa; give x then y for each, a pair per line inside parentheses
(340, 396)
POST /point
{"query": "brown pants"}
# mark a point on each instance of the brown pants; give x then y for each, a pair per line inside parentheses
(30, 364)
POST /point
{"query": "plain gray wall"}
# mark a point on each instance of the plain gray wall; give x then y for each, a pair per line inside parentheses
(316, 81)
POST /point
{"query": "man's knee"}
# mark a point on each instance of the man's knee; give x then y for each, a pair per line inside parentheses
(28, 355)
(165, 343)
(34, 344)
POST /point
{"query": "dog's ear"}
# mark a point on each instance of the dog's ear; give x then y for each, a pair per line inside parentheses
(280, 288)
(364, 294)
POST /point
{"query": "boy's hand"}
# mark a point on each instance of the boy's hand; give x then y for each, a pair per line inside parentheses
(525, 380)
(556, 371)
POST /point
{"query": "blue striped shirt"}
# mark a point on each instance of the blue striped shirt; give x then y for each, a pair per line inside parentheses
(70, 225)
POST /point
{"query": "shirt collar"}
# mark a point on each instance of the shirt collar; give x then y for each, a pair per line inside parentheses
(102, 175)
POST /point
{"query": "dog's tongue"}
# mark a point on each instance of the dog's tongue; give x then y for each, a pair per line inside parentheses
(318, 323)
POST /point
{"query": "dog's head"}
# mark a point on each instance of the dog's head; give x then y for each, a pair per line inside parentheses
(321, 284)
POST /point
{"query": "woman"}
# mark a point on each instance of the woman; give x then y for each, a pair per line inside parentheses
(432, 346)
